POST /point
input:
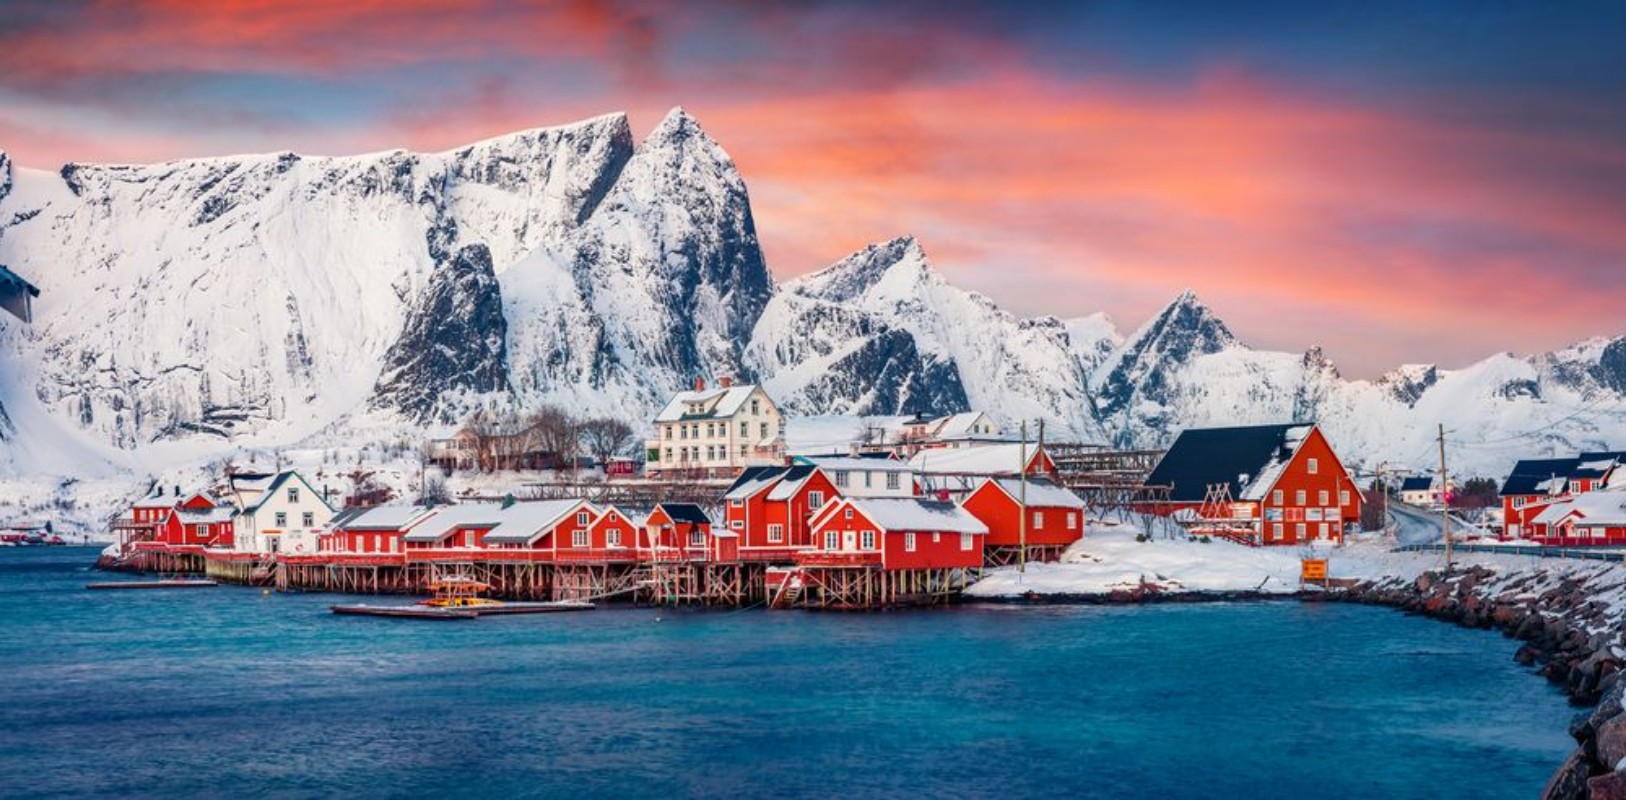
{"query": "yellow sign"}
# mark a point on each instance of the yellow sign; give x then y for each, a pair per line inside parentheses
(1313, 569)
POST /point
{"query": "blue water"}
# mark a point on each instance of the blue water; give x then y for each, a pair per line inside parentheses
(232, 691)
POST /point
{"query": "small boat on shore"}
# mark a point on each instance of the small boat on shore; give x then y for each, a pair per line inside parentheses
(167, 583)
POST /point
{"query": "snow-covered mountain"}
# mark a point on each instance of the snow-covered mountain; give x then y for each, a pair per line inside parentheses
(202, 305)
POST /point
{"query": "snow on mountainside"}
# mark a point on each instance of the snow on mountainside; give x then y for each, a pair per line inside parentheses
(199, 307)
(882, 332)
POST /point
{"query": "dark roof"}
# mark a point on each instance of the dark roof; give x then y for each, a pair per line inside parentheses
(754, 474)
(1532, 471)
(1416, 484)
(1201, 457)
(686, 512)
(345, 516)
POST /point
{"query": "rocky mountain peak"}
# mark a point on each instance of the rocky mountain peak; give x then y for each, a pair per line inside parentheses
(859, 273)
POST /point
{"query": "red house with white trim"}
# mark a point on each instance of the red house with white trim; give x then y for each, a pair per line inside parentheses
(560, 527)
(460, 527)
(380, 530)
(1055, 517)
(1261, 484)
(682, 531)
(895, 534)
(771, 509)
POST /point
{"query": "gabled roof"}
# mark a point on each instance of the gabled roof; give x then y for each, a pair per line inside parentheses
(379, 518)
(916, 514)
(281, 479)
(753, 480)
(1040, 493)
(718, 403)
(631, 516)
(449, 518)
(1530, 475)
(956, 424)
(1591, 468)
(1239, 456)
(792, 482)
(989, 459)
(522, 522)
(855, 464)
(206, 516)
(1416, 484)
(1598, 508)
(688, 513)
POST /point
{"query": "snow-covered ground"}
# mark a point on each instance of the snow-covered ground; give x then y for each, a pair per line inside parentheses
(1109, 559)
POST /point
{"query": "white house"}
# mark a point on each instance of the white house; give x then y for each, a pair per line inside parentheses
(865, 477)
(281, 513)
(717, 432)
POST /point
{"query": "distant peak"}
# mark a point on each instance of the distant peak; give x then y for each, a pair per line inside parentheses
(862, 270)
(1187, 299)
(677, 125)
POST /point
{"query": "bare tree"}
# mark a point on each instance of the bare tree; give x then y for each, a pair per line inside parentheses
(435, 492)
(605, 437)
(551, 429)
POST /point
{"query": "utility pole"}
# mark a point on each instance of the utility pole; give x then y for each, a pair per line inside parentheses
(1022, 528)
(1445, 508)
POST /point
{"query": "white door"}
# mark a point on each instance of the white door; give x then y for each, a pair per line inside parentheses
(849, 541)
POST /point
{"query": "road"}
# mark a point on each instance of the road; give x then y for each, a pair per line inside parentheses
(1419, 526)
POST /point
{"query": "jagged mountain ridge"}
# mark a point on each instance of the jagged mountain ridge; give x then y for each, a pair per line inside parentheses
(263, 298)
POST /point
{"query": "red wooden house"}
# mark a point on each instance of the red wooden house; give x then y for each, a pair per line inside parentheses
(152, 519)
(376, 530)
(1055, 517)
(1263, 484)
(953, 473)
(1537, 484)
(460, 527)
(560, 527)
(1595, 518)
(612, 536)
(895, 534)
(682, 531)
(770, 509)
(208, 526)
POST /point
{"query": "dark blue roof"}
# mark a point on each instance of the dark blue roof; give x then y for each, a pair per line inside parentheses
(686, 512)
(1416, 484)
(1201, 457)
(1530, 472)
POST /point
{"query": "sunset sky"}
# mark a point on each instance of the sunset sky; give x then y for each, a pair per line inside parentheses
(1405, 182)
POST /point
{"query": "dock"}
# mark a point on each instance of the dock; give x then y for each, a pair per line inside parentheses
(412, 612)
(174, 583)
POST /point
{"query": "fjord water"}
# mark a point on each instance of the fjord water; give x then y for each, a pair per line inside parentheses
(230, 691)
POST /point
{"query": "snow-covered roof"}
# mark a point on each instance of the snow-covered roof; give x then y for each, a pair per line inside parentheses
(1594, 508)
(990, 459)
(755, 479)
(915, 514)
(955, 425)
(1260, 484)
(449, 518)
(792, 483)
(207, 516)
(522, 522)
(1041, 493)
(1551, 485)
(1530, 474)
(1553, 512)
(632, 516)
(1247, 458)
(851, 464)
(381, 518)
(718, 403)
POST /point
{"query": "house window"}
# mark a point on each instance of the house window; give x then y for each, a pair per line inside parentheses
(832, 540)
(1038, 519)
(764, 427)
(1343, 497)
(293, 494)
(754, 410)
(668, 454)
(937, 538)
(1311, 466)
(668, 430)
(966, 541)
(776, 534)
(736, 503)
(847, 513)
(581, 517)
(578, 538)
(1072, 520)
(745, 428)
(908, 543)
(614, 538)
(1298, 530)
(867, 539)
(281, 519)
(1299, 497)
(308, 520)
(1275, 531)
(892, 480)
(841, 479)
(742, 451)
(697, 538)
(738, 525)
(1276, 497)
(815, 500)
(868, 477)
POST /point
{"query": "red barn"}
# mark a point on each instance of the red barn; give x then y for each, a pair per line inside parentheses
(1055, 518)
(1264, 484)
(895, 534)
(770, 509)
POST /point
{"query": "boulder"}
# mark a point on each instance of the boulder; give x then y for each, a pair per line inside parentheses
(1570, 781)
(1611, 737)
(1607, 787)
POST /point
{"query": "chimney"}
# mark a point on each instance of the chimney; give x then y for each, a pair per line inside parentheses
(727, 381)
(177, 490)
(699, 384)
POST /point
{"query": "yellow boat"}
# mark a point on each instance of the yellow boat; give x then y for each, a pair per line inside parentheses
(459, 591)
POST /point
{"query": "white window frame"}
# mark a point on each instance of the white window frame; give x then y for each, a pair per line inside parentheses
(892, 480)
(581, 518)
(293, 494)
(1299, 530)
(1343, 497)
(1300, 497)
(815, 500)
(1325, 497)
(1312, 466)
(832, 540)
(968, 542)
(1276, 497)
(580, 537)
(1038, 519)
(908, 543)
(697, 537)
(866, 540)
(1072, 520)
(841, 479)
(308, 519)
(776, 533)
(612, 538)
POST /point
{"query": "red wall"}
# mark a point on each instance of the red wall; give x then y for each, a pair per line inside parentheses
(1329, 477)
(1003, 517)
(945, 552)
(757, 513)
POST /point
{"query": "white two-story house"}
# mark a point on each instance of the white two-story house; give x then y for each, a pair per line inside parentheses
(716, 432)
(279, 513)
